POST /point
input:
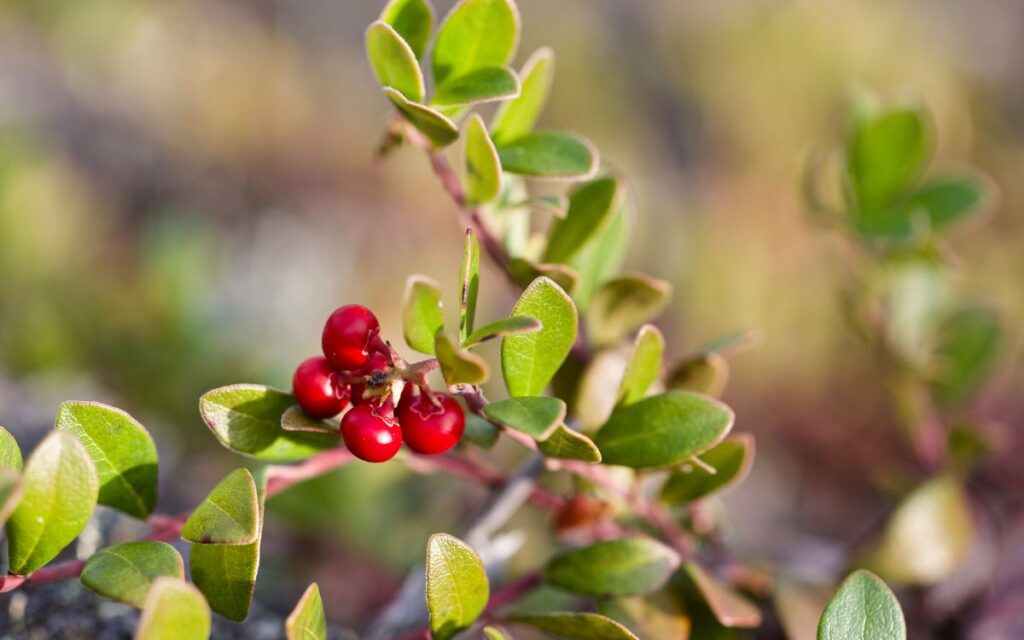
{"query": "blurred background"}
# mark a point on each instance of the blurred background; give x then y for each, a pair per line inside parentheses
(189, 187)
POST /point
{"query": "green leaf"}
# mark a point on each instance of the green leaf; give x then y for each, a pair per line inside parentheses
(60, 491)
(550, 154)
(928, 537)
(174, 610)
(469, 284)
(623, 567)
(480, 432)
(501, 328)
(475, 34)
(663, 430)
(246, 418)
(422, 315)
(577, 626)
(731, 459)
(393, 61)
(705, 373)
(887, 151)
(459, 366)
(864, 608)
(229, 515)
(623, 304)
(125, 572)
(440, 130)
(295, 419)
(602, 256)
(10, 452)
(968, 344)
(931, 208)
(659, 615)
(457, 587)
(124, 453)
(307, 620)
(569, 444)
(530, 361)
(483, 170)
(494, 633)
(591, 206)
(413, 20)
(644, 364)
(11, 490)
(516, 118)
(487, 84)
(524, 272)
(536, 416)
(729, 608)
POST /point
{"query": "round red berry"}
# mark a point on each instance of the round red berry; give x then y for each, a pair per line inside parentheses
(349, 335)
(430, 428)
(314, 387)
(371, 433)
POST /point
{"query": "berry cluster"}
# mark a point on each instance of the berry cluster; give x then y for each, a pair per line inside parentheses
(357, 368)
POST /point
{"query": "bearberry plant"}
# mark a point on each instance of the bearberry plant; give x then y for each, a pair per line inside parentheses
(641, 450)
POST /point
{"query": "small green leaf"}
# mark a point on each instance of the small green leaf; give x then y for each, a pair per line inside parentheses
(246, 418)
(731, 459)
(413, 20)
(536, 416)
(422, 315)
(494, 633)
(440, 130)
(516, 118)
(459, 366)
(475, 34)
(60, 491)
(11, 490)
(863, 608)
(124, 453)
(174, 610)
(307, 620)
(10, 452)
(576, 626)
(457, 586)
(663, 430)
(393, 61)
(623, 567)
(602, 256)
(487, 84)
(480, 432)
(469, 284)
(968, 344)
(530, 361)
(644, 364)
(623, 304)
(125, 572)
(928, 537)
(730, 608)
(501, 328)
(591, 206)
(568, 444)
(483, 170)
(295, 419)
(524, 272)
(705, 373)
(550, 154)
(229, 515)
(930, 208)
(887, 151)
(659, 615)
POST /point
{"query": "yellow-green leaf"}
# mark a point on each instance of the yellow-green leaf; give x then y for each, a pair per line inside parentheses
(10, 452)
(457, 586)
(422, 313)
(863, 608)
(487, 84)
(517, 117)
(536, 416)
(591, 206)
(483, 170)
(393, 61)
(229, 515)
(643, 366)
(307, 620)
(569, 444)
(731, 459)
(437, 127)
(621, 305)
(576, 626)
(529, 361)
(126, 571)
(622, 567)
(475, 34)
(469, 284)
(501, 328)
(705, 373)
(174, 610)
(550, 154)
(413, 20)
(459, 366)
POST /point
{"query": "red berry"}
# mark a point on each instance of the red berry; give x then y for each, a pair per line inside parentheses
(371, 433)
(314, 388)
(429, 428)
(349, 335)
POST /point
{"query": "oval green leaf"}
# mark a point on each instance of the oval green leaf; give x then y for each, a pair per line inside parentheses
(393, 61)
(229, 515)
(10, 452)
(125, 572)
(60, 492)
(226, 574)
(413, 20)
(475, 34)
(621, 305)
(480, 432)
(459, 366)
(246, 418)
(577, 626)
(457, 586)
(422, 313)
(887, 151)
(968, 345)
(568, 444)
(550, 154)
(591, 207)
(124, 453)
(11, 490)
(536, 416)
(529, 361)
(502, 328)
(437, 127)
(705, 373)
(644, 365)
(601, 256)
(524, 272)
(730, 608)
(488, 84)
(517, 117)
(307, 620)
(663, 430)
(174, 610)
(469, 284)
(483, 170)
(731, 459)
(623, 567)
(863, 608)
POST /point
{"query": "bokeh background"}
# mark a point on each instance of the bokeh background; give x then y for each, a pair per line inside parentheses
(189, 187)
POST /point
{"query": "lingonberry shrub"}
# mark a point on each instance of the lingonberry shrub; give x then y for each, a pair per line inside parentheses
(583, 391)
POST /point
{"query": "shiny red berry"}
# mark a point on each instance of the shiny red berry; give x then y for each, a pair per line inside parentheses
(371, 433)
(349, 336)
(314, 388)
(429, 428)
